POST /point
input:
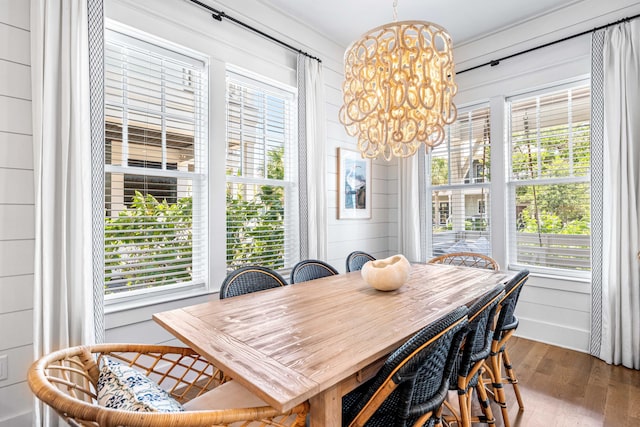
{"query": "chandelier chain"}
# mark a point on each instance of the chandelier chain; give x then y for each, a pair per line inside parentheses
(395, 10)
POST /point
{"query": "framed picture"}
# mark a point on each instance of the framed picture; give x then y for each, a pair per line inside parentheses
(354, 185)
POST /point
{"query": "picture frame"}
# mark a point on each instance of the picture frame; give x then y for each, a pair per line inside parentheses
(354, 185)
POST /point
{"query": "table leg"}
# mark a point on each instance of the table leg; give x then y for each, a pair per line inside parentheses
(326, 408)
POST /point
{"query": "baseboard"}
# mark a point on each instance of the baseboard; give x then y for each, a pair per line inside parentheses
(21, 420)
(558, 335)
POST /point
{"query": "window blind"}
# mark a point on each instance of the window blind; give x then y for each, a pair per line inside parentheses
(459, 178)
(549, 135)
(155, 183)
(261, 167)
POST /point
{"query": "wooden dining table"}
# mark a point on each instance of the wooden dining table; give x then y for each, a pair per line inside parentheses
(320, 339)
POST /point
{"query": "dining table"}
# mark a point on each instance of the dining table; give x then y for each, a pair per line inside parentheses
(318, 340)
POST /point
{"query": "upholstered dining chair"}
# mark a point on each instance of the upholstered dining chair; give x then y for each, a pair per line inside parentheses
(505, 326)
(467, 259)
(412, 384)
(249, 279)
(356, 259)
(310, 269)
(465, 375)
(148, 385)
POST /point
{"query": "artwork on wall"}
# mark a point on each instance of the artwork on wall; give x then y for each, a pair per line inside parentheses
(354, 185)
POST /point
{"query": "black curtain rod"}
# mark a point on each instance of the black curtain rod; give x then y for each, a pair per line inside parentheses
(495, 62)
(218, 15)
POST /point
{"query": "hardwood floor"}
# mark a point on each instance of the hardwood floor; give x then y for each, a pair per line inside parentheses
(563, 387)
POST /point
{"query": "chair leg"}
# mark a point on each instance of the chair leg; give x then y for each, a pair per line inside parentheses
(511, 377)
(498, 391)
(483, 398)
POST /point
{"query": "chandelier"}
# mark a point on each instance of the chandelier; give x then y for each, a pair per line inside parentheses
(398, 88)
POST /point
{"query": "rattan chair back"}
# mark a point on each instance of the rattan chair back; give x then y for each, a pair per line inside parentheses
(67, 379)
(249, 279)
(412, 384)
(507, 319)
(475, 350)
(467, 259)
(356, 259)
(310, 269)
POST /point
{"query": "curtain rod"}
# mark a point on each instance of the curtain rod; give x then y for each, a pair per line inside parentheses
(495, 62)
(218, 15)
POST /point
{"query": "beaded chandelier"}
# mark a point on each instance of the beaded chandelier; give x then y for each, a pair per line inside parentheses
(398, 88)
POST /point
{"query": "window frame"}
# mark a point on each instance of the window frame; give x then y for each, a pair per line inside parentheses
(468, 182)
(289, 183)
(121, 34)
(512, 184)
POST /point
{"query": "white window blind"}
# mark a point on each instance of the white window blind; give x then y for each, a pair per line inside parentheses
(549, 135)
(155, 170)
(459, 179)
(261, 167)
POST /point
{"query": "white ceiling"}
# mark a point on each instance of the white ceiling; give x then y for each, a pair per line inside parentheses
(343, 21)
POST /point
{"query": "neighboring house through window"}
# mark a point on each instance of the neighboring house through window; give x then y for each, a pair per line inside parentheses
(458, 184)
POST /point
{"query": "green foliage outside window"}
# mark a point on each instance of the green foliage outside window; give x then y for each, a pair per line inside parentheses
(149, 244)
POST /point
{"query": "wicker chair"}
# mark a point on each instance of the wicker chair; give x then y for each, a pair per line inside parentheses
(475, 350)
(311, 269)
(467, 259)
(250, 279)
(356, 259)
(67, 381)
(506, 325)
(412, 384)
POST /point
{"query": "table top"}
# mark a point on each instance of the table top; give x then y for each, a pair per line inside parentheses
(291, 343)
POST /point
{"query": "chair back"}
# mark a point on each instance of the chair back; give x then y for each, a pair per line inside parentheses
(506, 318)
(477, 344)
(249, 279)
(413, 381)
(467, 259)
(310, 269)
(356, 259)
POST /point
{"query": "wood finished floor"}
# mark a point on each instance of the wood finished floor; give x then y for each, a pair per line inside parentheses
(563, 387)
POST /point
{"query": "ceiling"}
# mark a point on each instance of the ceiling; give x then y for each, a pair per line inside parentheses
(343, 21)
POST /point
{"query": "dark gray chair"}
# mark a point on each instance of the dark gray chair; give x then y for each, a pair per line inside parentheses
(311, 269)
(356, 259)
(499, 358)
(475, 350)
(252, 278)
(412, 384)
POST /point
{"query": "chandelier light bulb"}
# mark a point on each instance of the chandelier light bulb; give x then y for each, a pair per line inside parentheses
(398, 89)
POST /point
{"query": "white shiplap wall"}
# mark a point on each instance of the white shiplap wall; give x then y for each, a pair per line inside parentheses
(16, 212)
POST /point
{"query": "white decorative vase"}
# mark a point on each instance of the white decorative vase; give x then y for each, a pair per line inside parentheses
(386, 274)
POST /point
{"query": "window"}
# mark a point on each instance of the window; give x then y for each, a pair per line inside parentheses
(261, 168)
(459, 185)
(549, 182)
(155, 171)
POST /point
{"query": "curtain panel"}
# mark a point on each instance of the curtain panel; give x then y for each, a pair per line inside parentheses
(312, 159)
(616, 314)
(63, 290)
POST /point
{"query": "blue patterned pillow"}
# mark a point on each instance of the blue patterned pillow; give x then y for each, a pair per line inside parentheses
(122, 387)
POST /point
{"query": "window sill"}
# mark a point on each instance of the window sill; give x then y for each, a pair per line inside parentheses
(578, 283)
(125, 303)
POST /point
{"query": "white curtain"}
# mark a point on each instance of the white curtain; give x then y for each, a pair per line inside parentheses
(409, 208)
(621, 235)
(63, 290)
(316, 159)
